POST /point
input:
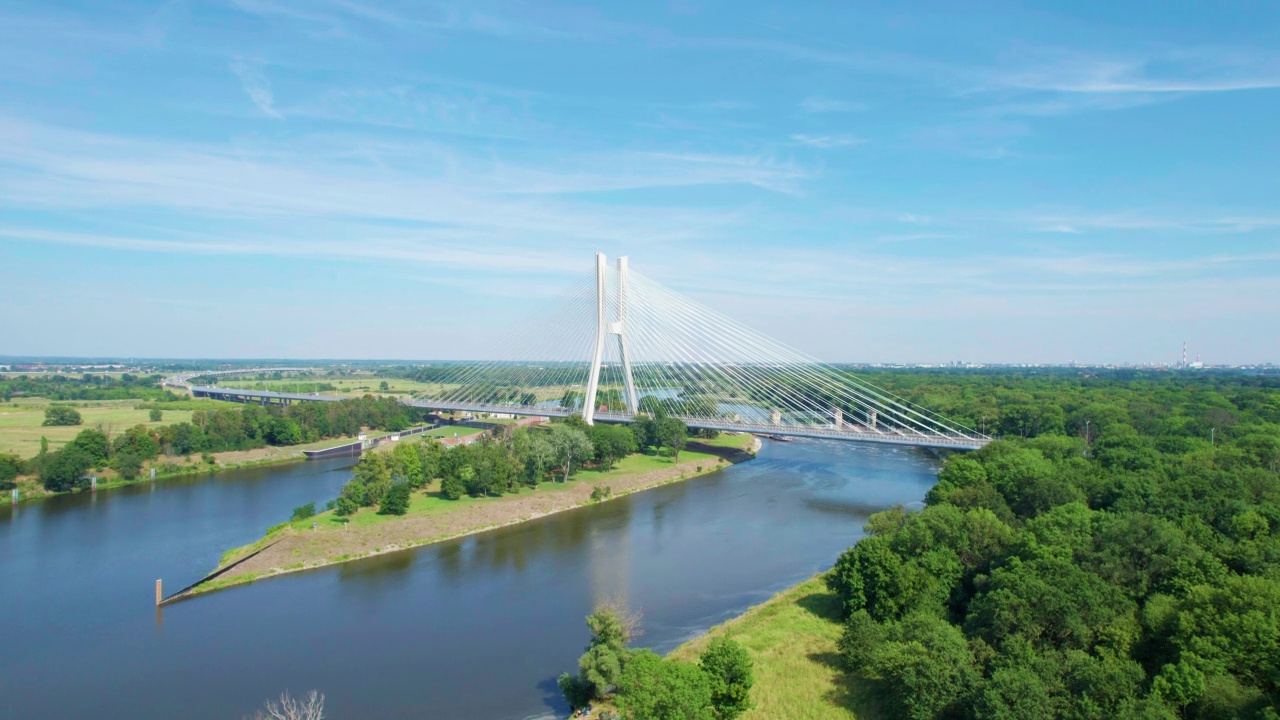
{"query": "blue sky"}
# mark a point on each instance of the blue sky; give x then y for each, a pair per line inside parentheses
(345, 178)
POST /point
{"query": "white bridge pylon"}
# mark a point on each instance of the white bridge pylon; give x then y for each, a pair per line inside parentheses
(604, 329)
(617, 343)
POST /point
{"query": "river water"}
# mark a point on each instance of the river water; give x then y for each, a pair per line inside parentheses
(473, 628)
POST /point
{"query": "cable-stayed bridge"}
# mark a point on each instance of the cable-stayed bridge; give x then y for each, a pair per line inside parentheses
(617, 344)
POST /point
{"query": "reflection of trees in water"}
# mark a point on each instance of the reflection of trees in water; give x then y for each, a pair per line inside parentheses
(557, 538)
(377, 574)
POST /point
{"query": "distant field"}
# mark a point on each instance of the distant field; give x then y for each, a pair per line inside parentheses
(20, 428)
(359, 385)
(353, 386)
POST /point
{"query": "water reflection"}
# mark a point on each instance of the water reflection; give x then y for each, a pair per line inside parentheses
(474, 627)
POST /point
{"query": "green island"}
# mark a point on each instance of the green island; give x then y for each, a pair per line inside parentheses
(419, 491)
(1116, 556)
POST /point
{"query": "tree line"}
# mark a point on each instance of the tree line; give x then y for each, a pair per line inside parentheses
(87, 386)
(235, 427)
(1121, 560)
(504, 462)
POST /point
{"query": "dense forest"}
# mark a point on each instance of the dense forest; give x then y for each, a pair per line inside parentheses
(1117, 555)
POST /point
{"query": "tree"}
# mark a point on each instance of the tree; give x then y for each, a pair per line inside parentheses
(612, 443)
(290, 708)
(156, 415)
(61, 415)
(94, 443)
(728, 666)
(569, 444)
(406, 465)
(601, 666)
(374, 476)
(673, 434)
(128, 465)
(11, 466)
(658, 689)
(62, 470)
(396, 499)
(302, 512)
(454, 487)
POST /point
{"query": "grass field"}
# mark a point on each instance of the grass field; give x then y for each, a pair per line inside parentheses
(20, 428)
(448, 431)
(792, 640)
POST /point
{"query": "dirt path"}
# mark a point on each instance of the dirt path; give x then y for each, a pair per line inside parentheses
(295, 550)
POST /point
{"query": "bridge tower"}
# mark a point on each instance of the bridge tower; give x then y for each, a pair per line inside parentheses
(604, 328)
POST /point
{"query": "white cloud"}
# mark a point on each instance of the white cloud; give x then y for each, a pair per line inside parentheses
(255, 85)
(827, 141)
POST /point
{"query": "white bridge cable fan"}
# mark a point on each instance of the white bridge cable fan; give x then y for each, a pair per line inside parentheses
(659, 351)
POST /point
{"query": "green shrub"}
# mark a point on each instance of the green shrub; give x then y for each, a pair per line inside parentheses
(156, 415)
(302, 512)
(395, 501)
(61, 415)
(128, 464)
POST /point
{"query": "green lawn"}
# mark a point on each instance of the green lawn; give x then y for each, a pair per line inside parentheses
(20, 428)
(792, 641)
(448, 431)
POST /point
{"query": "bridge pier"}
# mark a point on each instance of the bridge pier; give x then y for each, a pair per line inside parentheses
(838, 415)
(775, 417)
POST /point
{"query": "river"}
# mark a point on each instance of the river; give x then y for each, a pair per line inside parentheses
(475, 628)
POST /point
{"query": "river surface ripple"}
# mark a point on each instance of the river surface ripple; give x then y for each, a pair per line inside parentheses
(473, 628)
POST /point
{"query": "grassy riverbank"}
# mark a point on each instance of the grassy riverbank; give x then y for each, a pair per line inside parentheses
(168, 468)
(792, 640)
(293, 546)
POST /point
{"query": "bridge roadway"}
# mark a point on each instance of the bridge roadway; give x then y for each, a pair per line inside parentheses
(262, 397)
(853, 433)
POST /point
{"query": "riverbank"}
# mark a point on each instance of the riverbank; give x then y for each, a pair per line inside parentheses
(792, 639)
(296, 546)
(174, 467)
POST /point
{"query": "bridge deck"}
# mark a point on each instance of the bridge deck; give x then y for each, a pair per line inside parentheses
(218, 393)
(852, 433)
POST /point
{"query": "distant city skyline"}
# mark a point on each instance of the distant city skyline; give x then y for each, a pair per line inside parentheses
(348, 179)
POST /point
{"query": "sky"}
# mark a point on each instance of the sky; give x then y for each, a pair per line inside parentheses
(983, 182)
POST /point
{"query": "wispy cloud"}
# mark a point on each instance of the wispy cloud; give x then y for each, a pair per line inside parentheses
(816, 104)
(827, 141)
(255, 85)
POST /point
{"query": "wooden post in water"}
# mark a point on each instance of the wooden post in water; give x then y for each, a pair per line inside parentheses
(159, 593)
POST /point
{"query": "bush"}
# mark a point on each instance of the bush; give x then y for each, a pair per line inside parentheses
(601, 492)
(396, 500)
(11, 466)
(62, 470)
(728, 667)
(156, 415)
(207, 458)
(128, 465)
(302, 512)
(453, 487)
(61, 415)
